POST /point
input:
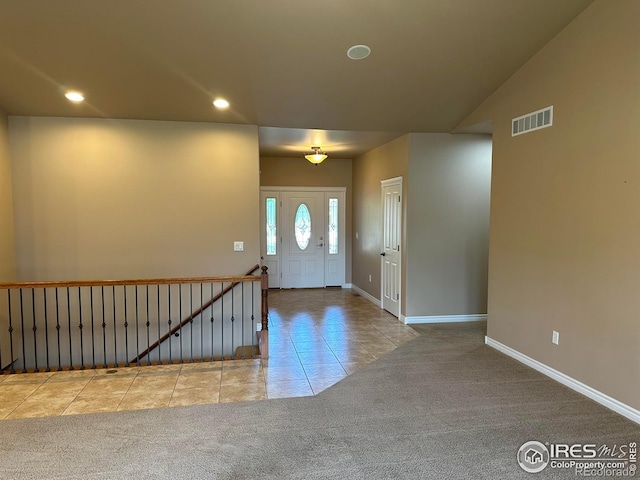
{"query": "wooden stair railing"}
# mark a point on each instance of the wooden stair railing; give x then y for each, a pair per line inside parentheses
(50, 327)
(194, 314)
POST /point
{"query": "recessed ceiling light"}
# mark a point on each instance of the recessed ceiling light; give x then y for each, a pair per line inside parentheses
(220, 103)
(358, 52)
(74, 96)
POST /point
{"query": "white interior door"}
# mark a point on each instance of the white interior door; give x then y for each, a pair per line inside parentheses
(303, 239)
(391, 241)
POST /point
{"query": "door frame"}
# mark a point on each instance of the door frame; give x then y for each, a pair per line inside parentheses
(276, 191)
(387, 183)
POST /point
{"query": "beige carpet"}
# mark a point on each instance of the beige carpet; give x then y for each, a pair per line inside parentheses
(443, 406)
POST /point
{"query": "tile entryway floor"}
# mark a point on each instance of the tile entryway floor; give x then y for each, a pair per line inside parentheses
(316, 338)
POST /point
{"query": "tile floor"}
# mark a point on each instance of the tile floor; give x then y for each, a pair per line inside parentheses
(316, 338)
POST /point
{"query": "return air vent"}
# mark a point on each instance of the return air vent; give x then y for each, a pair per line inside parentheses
(532, 121)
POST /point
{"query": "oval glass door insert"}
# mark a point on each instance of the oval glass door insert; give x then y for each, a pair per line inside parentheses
(302, 226)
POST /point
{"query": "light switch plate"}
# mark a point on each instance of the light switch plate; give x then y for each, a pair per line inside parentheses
(238, 246)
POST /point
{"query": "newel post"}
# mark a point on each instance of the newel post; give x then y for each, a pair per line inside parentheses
(264, 333)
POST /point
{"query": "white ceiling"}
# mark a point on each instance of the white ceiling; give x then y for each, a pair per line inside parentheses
(282, 65)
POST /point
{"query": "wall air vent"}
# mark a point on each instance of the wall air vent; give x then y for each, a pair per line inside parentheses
(532, 121)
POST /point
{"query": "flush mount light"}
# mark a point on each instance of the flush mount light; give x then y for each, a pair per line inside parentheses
(358, 52)
(220, 103)
(317, 157)
(74, 96)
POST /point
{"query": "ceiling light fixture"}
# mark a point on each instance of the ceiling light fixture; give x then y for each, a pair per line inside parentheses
(74, 96)
(220, 103)
(358, 52)
(317, 157)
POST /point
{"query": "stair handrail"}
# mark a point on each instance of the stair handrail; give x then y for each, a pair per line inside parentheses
(234, 282)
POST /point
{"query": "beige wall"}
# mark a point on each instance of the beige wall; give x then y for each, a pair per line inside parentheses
(448, 224)
(100, 198)
(296, 172)
(388, 161)
(565, 226)
(7, 247)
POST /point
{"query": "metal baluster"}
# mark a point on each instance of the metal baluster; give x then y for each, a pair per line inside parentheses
(69, 320)
(191, 321)
(159, 343)
(115, 327)
(242, 318)
(137, 329)
(233, 352)
(126, 326)
(93, 332)
(46, 328)
(202, 322)
(169, 290)
(80, 327)
(24, 352)
(13, 370)
(148, 323)
(180, 324)
(222, 321)
(212, 356)
(253, 326)
(35, 329)
(104, 331)
(58, 330)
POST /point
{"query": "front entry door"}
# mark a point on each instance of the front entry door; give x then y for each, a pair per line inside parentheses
(303, 239)
(391, 241)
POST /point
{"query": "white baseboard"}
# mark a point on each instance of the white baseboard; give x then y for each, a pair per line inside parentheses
(347, 285)
(603, 399)
(445, 318)
(366, 295)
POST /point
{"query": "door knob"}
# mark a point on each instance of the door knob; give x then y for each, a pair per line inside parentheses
(320, 245)
(383, 254)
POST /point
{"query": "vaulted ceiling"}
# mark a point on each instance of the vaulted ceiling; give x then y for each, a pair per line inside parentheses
(280, 64)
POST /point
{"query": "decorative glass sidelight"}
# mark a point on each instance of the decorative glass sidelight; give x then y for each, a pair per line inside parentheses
(333, 226)
(271, 226)
(302, 226)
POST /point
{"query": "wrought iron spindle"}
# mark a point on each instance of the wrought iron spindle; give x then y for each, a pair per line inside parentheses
(46, 329)
(253, 325)
(169, 322)
(212, 356)
(12, 370)
(180, 324)
(191, 319)
(222, 320)
(58, 330)
(148, 323)
(24, 356)
(104, 331)
(80, 327)
(93, 332)
(69, 322)
(137, 328)
(202, 322)
(159, 340)
(115, 327)
(126, 327)
(35, 329)
(233, 352)
(242, 316)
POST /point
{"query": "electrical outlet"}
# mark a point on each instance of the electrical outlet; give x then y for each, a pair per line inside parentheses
(238, 246)
(369, 278)
(555, 338)
(356, 235)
